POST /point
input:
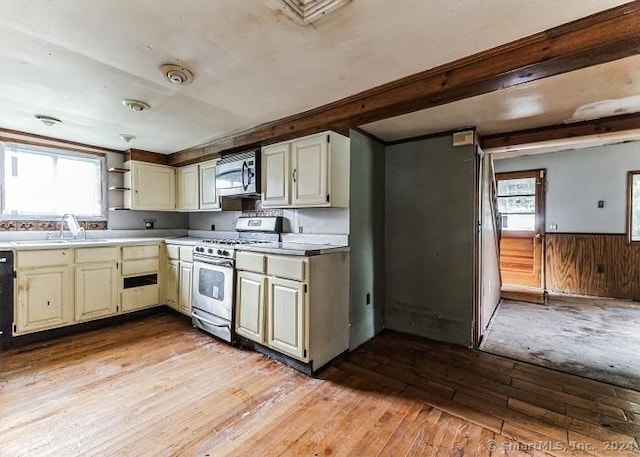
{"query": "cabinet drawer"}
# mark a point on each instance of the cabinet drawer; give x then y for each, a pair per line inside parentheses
(96, 254)
(286, 267)
(250, 261)
(140, 252)
(142, 266)
(186, 253)
(43, 258)
(173, 251)
(139, 297)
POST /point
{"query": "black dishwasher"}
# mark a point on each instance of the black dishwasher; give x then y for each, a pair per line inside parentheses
(6, 298)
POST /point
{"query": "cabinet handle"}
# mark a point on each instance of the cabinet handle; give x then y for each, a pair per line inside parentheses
(295, 175)
(48, 303)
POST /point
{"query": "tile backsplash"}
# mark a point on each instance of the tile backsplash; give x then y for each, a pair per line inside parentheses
(253, 208)
(45, 226)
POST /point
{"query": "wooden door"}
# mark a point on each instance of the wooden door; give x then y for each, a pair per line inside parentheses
(276, 174)
(285, 317)
(43, 299)
(310, 162)
(250, 297)
(208, 195)
(521, 206)
(188, 188)
(96, 290)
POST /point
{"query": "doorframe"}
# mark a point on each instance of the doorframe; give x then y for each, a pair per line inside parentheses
(540, 222)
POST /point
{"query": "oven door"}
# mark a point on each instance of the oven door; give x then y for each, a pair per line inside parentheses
(236, 178)
(213, 288)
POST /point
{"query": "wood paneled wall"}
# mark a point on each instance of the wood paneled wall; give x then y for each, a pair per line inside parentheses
(572, 265)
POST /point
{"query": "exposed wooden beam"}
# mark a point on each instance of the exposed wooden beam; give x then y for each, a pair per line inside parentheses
(146, 156)
(32, 139)
(603, 37)
(560, 132)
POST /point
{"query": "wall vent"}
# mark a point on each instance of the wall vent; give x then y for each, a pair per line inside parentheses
(308, 11)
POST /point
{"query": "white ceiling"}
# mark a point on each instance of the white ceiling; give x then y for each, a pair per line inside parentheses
(76, 60)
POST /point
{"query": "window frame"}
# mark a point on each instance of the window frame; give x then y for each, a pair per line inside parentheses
(101, 158)
(630, 175)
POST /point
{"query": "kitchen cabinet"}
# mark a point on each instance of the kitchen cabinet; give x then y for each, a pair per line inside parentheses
(296, 305)
(286, 317)
(250, 301)
(140, 268)
(179, 277)
(96, 282)
(151, 187)
(311, 171)
(188, 188)
(208, 197)
(43, 290)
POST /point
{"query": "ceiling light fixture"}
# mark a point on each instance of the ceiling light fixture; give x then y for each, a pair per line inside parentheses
(176, 75)
(47, 120)
(135, 105)
(126, 137)
(307, 11)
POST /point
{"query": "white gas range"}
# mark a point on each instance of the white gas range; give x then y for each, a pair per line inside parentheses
(214, 274)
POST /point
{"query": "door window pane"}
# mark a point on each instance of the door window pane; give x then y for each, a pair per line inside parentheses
(518, 221)
(523, 186)
(635, 207)
(517, 204)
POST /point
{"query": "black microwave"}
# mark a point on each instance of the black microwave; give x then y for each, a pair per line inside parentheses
(238, 175)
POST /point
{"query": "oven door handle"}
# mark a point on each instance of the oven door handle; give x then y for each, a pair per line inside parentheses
(218, 263)
(206, 321)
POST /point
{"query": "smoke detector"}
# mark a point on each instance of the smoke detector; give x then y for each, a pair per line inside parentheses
(47, 120)
(126, 137)
(308, 11)
(135, 105)
(176, 75)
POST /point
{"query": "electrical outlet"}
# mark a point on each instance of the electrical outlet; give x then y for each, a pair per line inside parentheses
(599, 268)
(368, 298)
(213, 227)
(600, 203)
(300, 229)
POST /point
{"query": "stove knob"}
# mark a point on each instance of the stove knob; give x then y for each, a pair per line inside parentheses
(210, 251)
(198, 249)
(220, 252)
(226, 253)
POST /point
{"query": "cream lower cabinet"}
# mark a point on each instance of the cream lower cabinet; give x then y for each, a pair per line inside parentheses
(298, 306)
(173, 284)
(179, 280)
(185, 288)
(286, 317)
(96, 290)
(43, 299)
(140, 268)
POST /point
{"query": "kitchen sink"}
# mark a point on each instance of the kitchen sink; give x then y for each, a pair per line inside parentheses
(28, 242)
(58, 241)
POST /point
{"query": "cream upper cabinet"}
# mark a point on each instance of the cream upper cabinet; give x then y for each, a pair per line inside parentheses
(209, 199)
(285, 317)
(188, 188)
(152, 187)
(250, 296)
(96, 290)
(43, 299)
(276, 182)
(310, 163)
(312, 171)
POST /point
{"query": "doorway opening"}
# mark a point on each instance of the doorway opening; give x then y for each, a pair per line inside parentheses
(520, 201)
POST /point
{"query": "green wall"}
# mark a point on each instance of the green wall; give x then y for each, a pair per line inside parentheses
(431, 225)
(366, 238)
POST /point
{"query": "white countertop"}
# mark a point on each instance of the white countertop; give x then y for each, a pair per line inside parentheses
(70, 243)
(302, 249)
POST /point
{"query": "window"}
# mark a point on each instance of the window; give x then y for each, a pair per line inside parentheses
(634, 206)
(517, 203)
(44, 183)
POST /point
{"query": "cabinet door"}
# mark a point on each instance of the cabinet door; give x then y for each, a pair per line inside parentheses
(310, 162)
(276, 175)
(250, 296)
(154, 187)
(96, 290)
(173, 283)
(43, 299)
(285, 317)
(188, 188)
(208, 196)
(185, 292)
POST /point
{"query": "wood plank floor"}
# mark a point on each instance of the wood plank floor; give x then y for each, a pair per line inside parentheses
(158, 387)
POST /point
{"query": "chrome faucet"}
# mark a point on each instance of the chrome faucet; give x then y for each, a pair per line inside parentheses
(73, 225)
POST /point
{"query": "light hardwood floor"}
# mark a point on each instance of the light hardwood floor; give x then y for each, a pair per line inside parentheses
(158, 387)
